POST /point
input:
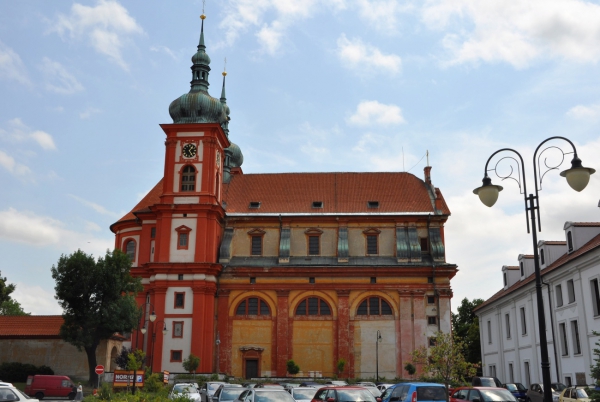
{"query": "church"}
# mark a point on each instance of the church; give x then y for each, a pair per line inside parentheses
(250, 270)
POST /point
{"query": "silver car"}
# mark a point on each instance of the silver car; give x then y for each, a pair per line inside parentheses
(302, 394)
(188, 390)
(208, 389)
(265, 395)
(228, 393)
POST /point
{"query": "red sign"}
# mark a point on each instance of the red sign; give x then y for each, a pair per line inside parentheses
(99, 369)
(123, 378)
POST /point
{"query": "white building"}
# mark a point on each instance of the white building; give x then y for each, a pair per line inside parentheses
(508, 323)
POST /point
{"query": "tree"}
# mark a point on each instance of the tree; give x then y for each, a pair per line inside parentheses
(341, 364)
(595, 369)
(8, 305)
(191, 363)
(445, 361)
(410, 369)
(465, 327)
(98, 300)
(292, 367)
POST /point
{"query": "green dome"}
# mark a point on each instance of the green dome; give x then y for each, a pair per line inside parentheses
(237, 158)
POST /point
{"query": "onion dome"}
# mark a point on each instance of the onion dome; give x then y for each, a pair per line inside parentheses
(237, 158)
(198, 106)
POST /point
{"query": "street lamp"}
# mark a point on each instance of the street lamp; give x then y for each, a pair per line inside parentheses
(578, 178)
(218, 342)
(152, 317)
(164, 331)
(377, 354)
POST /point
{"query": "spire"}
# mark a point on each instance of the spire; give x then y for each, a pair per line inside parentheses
(201, 44)
(223, 97)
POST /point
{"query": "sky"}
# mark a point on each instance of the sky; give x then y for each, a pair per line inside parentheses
(313, 86)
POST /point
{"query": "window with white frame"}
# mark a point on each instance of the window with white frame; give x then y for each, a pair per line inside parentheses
(492, 370)
(522, 268)
(562, 329)
(527, 374)
(523, 322)
(489, 331)
(511, 373)
(575, 335)
(559, 298)
(571, 291)
(595, 297)
(504, 278)
(507, 320)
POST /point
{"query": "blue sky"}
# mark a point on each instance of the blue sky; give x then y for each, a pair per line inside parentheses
(313, 85)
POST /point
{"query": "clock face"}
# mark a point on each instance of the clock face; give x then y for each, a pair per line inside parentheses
(189, 150)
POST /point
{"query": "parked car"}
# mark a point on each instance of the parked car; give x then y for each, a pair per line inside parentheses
(383, 387)
(208, 389)
(414, 391)
(42, 386)
(482, 394)
(343, 394)
(265, 395)
(535, 393)
(311, 384)
(366, 384)
(228, 392)
(337, 383)
(376, 393)
(518, 390)
(186, 389)
(486, 382)
(269, 385)
(302, 394)
(289, 385)
(8, 393)
(574, 394)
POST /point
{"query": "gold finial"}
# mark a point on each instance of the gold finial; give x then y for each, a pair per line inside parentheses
(202, 17)
(225, 68)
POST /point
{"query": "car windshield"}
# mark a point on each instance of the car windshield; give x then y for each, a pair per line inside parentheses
(557, 386)
(487, 382)
(431, 394)
(213, 387)
(511, 387)
(355, 395)
(273, 396)
(520, 386)
(229, 394)
(581, 393)
(184, 389)
(496, 395)
(303, 393)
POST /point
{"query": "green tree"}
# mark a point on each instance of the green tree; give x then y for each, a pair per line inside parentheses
(445, 361)
(292, 367)
(98, 300)
(8, 305)
(410, 369)
(595, 369)
(191, 363)
(341, 364)
(465, 327)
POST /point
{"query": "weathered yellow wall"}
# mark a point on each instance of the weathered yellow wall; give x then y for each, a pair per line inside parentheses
(365, 356)
(255, 333)
(299, 241)
(357, 244)
(313, 346)
(241, 242)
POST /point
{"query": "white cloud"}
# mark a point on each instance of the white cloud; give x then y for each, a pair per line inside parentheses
(36, 300)
(96, 207)
(59, 79)
(11, 66)
(107, 26)
(9, 163)
(518, 33)
(584, 112)
(381, 14)
(373, 112)
(355, 54)
(164, 49)
(18, 131)
(89, 112)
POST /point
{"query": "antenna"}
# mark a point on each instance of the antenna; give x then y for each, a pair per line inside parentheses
(203, 4)
(225, 65)
(427, 157)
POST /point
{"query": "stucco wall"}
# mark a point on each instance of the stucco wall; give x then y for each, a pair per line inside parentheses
(313, 346)
(256, 333)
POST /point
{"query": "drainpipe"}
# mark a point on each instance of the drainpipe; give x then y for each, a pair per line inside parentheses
(552, 326)
(435, 292)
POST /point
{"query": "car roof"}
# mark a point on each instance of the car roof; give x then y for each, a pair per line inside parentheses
(435, 384)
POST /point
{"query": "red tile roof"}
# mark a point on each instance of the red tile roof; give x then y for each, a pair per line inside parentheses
(593, 224)
(153, 197)
(339, 192)
(30, 326)
(565, 258)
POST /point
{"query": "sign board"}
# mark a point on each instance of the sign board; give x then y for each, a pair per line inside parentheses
(166, 377)
(124, 378)
(99, 369)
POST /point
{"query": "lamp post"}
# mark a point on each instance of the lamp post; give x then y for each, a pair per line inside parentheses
(218, 342)
(164, 331)
(577, 177)
(377, 355)
(152, 317)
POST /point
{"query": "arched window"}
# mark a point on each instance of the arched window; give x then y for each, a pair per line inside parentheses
(130, 249)
(374, 306)
(188, 179)
(313, 306)
(253, 306)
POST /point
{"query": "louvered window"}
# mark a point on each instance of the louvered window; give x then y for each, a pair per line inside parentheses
(313, 245)
(256, 245)
(374, 306)
(372, 244)
(253, 306)
(313, 306)
(188, 179)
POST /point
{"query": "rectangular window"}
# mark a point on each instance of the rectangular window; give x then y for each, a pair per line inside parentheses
(542, 259)
(372, 244)
(176, 355)
(504, 278)
(313, 245)
(179, 300)
(182, 242)
(430, 299)
(571, 291)
(492, 371)
(507, 320)
(489, 331)
(522, 269)
(511, 373)
(527, 374)
(563, 339)
(152, 233)
(523, 322)
(424, 245)
(595, 297)
(177, 329)
(559, 298)
(568, 381)
(432, 320)
(257, 245)
(575, 335)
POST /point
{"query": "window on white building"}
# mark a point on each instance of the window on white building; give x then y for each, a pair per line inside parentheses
(523, 322)
(522, 269)
(562, 327)
(595, 297)
(489, 326)
(507, 319)
(571, 291)
(575, 335)
(527, 374)
(492, 371)
(568, 381)
(511, 373)
(570, 241)
(542, 259)
(504, 278)
(559, 298)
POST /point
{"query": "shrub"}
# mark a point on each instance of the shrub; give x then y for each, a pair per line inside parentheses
(292, 367)
(18, 372)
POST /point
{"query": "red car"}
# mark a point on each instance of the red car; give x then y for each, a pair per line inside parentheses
(344, 394)
(482, 394)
